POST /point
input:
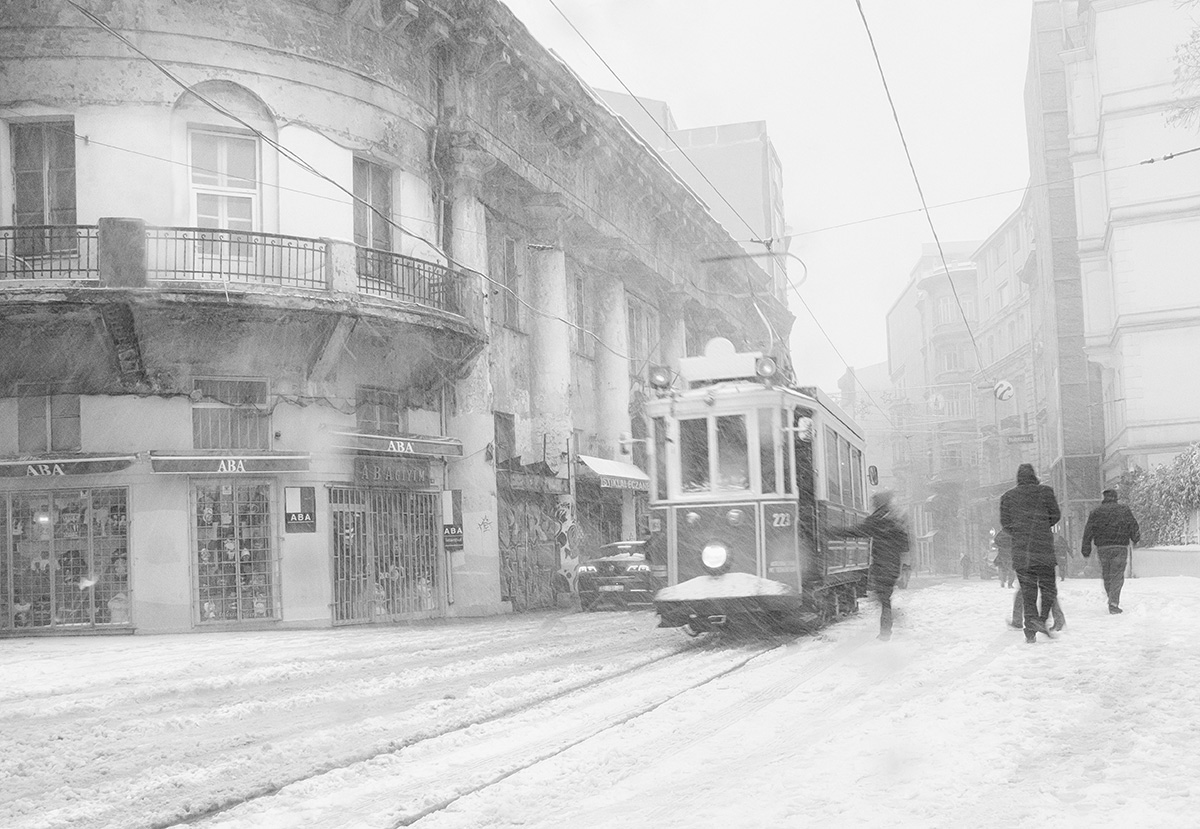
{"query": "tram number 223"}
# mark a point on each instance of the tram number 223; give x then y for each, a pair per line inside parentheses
(781, 519)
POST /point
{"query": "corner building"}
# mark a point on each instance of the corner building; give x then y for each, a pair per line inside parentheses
(234, 395)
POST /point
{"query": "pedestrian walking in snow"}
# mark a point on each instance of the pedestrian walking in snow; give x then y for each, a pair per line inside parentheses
(1004, 560)
(889, 544)
(1027, 512)
(1112, 528)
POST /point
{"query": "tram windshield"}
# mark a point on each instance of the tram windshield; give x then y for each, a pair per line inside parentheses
(727, 444)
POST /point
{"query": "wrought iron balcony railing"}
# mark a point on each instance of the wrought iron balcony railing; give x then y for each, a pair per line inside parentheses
(49, 252)
(192, 253)
(393, 276)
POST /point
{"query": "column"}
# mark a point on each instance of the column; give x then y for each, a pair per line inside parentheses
(550, 336)
(474, 572)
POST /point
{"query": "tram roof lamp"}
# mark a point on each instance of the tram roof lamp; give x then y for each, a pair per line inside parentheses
(766, 367)
(660, 377)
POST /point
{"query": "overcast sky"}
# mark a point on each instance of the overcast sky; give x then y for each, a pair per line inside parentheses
(956, 69)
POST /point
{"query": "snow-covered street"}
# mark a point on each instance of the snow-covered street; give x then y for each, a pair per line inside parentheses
(569, 719)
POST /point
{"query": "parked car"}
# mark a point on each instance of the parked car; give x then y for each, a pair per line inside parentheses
(620, 575)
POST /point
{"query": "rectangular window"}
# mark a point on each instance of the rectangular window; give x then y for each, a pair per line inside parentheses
(47, 422)
(231, 414)
(1001, 295)
(766, 450)
(43, 156)
(846, 473)
(372, 205)
(506, 436)
(856, 472)
(225, 195)
(582, 318)
(660, 458)
(506, 309)
(642, 325)
(733, 456)
(832, 470)
(379, 412)
(693, 453)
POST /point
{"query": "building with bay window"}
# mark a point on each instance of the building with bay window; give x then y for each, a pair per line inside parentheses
(323, 312)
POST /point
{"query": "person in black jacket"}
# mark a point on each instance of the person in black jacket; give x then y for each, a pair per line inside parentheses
(1112, 528)
(1027, 512)
(889, 544)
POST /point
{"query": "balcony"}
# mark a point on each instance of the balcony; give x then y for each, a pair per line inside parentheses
(139, 293)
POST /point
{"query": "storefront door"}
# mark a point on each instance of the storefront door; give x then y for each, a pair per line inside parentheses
(237, 574)
(386, 553)
(64, 560)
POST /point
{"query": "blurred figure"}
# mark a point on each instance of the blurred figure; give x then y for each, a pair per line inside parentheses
(1027, 512)
(1112, 528)
(1062, 555)
(1004, 560)
(889, 544)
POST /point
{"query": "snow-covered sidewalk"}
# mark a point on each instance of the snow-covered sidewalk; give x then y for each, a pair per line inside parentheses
(955, 722)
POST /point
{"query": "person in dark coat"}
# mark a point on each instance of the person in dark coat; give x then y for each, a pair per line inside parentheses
(1112, 528)
(889, 544)
(1027, 512)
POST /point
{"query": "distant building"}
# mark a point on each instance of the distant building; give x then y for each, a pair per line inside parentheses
(1138, 225)
(866, 395)
(931, 362)
(733, 167)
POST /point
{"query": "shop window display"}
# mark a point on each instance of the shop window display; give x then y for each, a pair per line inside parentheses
(59, 562)
(235, 565)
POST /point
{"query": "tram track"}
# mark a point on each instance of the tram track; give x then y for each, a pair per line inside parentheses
(489, 744)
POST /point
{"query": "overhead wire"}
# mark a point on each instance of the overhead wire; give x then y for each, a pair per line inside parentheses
(916, 179)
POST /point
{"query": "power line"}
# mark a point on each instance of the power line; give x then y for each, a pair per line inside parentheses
(917, 181)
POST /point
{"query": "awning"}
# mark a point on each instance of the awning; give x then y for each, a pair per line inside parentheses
(80, 464)
(220, 462)
(614, 474)
(398, 445)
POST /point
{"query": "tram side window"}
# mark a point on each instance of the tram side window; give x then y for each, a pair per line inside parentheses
(693, 454)
(733, 453)
(844, 466)
(766, 449)
(834, 487)
(660, 458)
(856, 471)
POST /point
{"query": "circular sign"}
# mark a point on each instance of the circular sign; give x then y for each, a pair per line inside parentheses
(1003, 390)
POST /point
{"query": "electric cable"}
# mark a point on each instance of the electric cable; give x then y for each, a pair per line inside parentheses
(917, 181)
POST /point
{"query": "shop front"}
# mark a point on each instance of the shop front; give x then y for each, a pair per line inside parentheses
(387, 528)
(234, 520)
(612, 501)
(64, 549)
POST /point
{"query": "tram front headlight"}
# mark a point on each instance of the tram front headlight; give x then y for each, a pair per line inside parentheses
(715, 555)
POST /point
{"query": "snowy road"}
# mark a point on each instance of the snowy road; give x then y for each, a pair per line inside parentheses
(602, 719)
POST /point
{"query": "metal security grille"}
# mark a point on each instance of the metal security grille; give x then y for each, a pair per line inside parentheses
(385, 554)
(236, 576)
(64, 560)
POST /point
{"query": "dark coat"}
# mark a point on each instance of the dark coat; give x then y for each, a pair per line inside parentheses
(1027, 512)
(1110, 525)
(888, 546)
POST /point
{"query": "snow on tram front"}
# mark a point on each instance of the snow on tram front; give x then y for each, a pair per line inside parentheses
(749, 476)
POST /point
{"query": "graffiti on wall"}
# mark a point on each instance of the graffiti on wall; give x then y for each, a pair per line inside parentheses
(528, 529)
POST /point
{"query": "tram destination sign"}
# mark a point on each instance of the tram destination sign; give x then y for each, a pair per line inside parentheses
(41, 467)
(401, 472)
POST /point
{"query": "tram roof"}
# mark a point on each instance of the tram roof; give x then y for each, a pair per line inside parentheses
(743, 388)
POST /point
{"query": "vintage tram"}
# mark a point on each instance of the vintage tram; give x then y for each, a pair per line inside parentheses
(750, 475)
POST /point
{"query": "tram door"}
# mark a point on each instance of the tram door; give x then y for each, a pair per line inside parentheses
(386, 554)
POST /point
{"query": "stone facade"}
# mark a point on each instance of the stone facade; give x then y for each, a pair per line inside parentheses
(321, 338)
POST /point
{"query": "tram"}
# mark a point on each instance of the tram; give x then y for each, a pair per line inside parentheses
(749, 477)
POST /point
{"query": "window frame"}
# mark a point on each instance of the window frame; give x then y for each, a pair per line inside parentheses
(45, 395)
(47, 244)
(379, 399)
(202, 402)
(378, 234)
(197, 189)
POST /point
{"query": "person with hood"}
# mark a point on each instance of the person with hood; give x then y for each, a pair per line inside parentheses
(889, 544)
(1027, 512)
(1112, 528)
